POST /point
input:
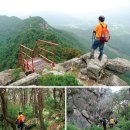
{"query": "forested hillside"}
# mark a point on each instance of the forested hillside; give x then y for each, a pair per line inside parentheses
(42, 108)
(15, 31)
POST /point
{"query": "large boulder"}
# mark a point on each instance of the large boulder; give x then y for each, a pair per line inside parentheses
(28, 80)
(118, 65)
(94, 66)
(6, 77)
(71, 63)
(114, 81)
(87, 116)
(78, 119)
(85, 57)
(84, 112)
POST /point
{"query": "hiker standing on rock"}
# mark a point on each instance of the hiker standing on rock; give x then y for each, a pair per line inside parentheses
(20, 121)
(100, 36)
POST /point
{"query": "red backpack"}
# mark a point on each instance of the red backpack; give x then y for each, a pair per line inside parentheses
(105, 35)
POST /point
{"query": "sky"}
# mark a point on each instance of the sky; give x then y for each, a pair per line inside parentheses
(71, 7)
(116, 89)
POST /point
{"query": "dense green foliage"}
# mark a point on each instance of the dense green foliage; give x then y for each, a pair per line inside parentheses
(58, 80)
(126, 77)
(27, 32)
(53, 111)
(14, 109)
(16, 74)
(95, 128)
(71, 126)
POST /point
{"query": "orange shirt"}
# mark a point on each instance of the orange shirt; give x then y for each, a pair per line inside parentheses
(98, 29)
(20, 118)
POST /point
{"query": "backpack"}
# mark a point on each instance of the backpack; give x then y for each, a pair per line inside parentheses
(22, 118)
(105, 35)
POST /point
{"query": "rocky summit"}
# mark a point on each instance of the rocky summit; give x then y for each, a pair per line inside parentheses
(105, 72)
(89, 72)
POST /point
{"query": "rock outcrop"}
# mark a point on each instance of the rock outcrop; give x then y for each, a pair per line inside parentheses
(118, 65)
(114, 81)
(86, 105)
(28, 80)
(6, 77)
(100, 71)
(94, 67)
(89, 72)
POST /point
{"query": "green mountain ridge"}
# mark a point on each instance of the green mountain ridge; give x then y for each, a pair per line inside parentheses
(15, 31)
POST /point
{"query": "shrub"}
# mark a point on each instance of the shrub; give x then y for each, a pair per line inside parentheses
(13, 110)
(125, 125)
(16, 74)
(71, 126)
(46, 124)
(58, 80)
(94, 128)
(70, 53)
(49, 102)
(28, 111)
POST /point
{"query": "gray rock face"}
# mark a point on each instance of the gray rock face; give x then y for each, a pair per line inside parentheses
(84, 112)
(28, 80)
(83, 105)
(94, 66)
(71, 63)
(6, 77)
(96, 70)
(85, 57)
(114, 81)
(118, 65)
(22, 75)
(78, 119)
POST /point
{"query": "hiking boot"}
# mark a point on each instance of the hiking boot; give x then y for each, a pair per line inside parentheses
(91, 57)
(99, 58)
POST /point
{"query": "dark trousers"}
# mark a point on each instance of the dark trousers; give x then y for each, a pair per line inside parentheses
(20, 126)
(95, 45)
(111, 125)
(104, 127)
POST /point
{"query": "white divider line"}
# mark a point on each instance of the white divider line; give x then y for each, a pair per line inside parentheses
(65, 108)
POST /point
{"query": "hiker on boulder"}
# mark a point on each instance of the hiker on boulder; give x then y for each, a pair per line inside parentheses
(100, 36)
(20, 121)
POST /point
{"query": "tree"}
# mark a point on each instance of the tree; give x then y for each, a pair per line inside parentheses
(4, 109)
(40, 106)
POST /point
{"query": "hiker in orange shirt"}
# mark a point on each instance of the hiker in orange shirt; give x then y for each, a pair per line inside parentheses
(20, 121)
(97, 32)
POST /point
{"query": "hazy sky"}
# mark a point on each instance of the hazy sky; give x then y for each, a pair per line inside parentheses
(115, 89)
(29, 7)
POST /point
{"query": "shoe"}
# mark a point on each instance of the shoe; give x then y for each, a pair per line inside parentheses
(99, 58)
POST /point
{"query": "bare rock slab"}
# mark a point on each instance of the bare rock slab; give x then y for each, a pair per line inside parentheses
(114, 81)
(94, 66)
(28, 80)
(118, 65)
(6, 77)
